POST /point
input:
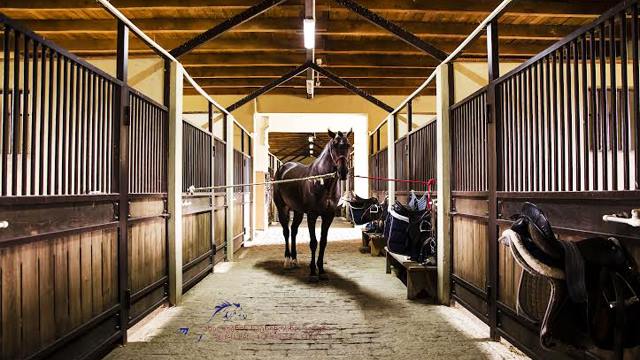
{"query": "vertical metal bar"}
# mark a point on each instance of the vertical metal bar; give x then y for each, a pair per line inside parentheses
(613, 108)
(593, 120)
(543, 128)
(43, 136)
(73, 134)
(554, 123)
(625, 99)
(535, 165)
(569, 125)
(65, 126)
(52, 131)
(16, 114)
(100, 137)
(410, 115)
(59, 125)
(26, 92)
(603, 109)
(562, 160)
(34, 122)
(549, 123)
(6, 131)
(585, 113)
(576, 117)
(122, 164)
(636, 90)
(493, 141)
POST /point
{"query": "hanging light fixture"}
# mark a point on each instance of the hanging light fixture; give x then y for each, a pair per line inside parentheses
(311, 146)
(309, 26)
(310, 138)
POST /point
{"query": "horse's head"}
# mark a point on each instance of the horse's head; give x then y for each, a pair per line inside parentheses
(339, 149)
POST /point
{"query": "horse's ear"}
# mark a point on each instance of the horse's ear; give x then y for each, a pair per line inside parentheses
(349, 133)
(332, 135)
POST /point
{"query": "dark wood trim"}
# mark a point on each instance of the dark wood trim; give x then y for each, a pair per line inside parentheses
(194, 280)
(470, 194)
(147, 196)
(481, 218)
(470, 287)
(470, 308)
(196, 261)
(148, 311)
(571, 195)
(56, 199)
(139, 219)
(148, 289)
(57, 234)
(80, 330)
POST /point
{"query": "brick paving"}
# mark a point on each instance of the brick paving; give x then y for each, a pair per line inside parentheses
(360, 313)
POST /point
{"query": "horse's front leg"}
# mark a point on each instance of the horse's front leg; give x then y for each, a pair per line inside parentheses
(313, 244)
(324, 233)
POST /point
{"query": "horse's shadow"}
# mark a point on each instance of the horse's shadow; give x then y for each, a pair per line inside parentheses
(363, 297)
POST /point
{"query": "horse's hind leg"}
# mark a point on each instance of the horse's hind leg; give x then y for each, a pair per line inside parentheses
(313, 244)
(324, 234)
(283, 218)
(297, 219)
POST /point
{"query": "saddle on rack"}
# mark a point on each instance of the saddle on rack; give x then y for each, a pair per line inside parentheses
(595, 284)
(361, 209)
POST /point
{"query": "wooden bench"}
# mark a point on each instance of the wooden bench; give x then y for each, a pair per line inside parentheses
(419, 278)
(373, 243)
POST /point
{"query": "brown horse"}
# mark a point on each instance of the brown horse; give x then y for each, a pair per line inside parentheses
(316, 198)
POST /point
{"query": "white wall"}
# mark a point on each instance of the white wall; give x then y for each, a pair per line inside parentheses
(296, 122)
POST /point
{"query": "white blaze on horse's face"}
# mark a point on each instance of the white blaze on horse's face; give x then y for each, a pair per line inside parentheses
(339, 150)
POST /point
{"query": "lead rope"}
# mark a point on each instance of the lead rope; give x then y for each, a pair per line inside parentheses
(192, 189)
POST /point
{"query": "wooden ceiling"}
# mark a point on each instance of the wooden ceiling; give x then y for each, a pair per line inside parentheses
(295, 146)
(255, 53)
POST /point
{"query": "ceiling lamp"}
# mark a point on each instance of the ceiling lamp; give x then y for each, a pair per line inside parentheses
(309, 26)
(310, 138)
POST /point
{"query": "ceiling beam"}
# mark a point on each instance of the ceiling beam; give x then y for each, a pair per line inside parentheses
(349, 86)
(273, 72)
(283, 79)
(300, 80)
(310, 13)
(571, 8)
(320, 91)
(286, 44)
(324, 27)
(398, 31)
(219, 29)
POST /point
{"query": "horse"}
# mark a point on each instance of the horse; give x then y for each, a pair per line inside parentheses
(315, 198)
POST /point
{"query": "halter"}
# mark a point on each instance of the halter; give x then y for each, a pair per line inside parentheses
(333, 158)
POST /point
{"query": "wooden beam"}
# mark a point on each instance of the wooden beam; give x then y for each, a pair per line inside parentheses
(354, 89)
(333, 60)
(396, 30)
(203, 72)
(268, 43)
(300, 79)
(219, 29)
(318, 91)
(193, 26)
(572, 8)
(283, 79)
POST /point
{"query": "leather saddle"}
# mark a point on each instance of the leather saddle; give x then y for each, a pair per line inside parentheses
(363, 210)
(594, 282)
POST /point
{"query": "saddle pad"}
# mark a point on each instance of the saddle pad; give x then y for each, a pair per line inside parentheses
(526, 259)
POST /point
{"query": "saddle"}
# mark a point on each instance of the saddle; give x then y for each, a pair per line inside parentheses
(594, 285)
(361, 209)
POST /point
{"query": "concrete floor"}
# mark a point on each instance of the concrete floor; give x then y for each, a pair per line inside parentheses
(360, 313)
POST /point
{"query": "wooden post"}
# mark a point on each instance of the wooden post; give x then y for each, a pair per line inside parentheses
(443, 183)
(492, 176)
(122, 132)
(229, 137)
(175, 184)
(391, 156)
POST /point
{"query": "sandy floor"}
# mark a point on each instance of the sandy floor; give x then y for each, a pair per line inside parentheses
(360, 313)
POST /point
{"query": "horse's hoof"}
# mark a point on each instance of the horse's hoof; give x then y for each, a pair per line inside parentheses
(323, 276)
(287, 263)
(294, 263)
(313, 278)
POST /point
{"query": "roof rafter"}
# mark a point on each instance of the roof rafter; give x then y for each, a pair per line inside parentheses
(219, 29)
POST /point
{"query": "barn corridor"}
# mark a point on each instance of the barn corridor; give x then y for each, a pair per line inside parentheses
(361, 312)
